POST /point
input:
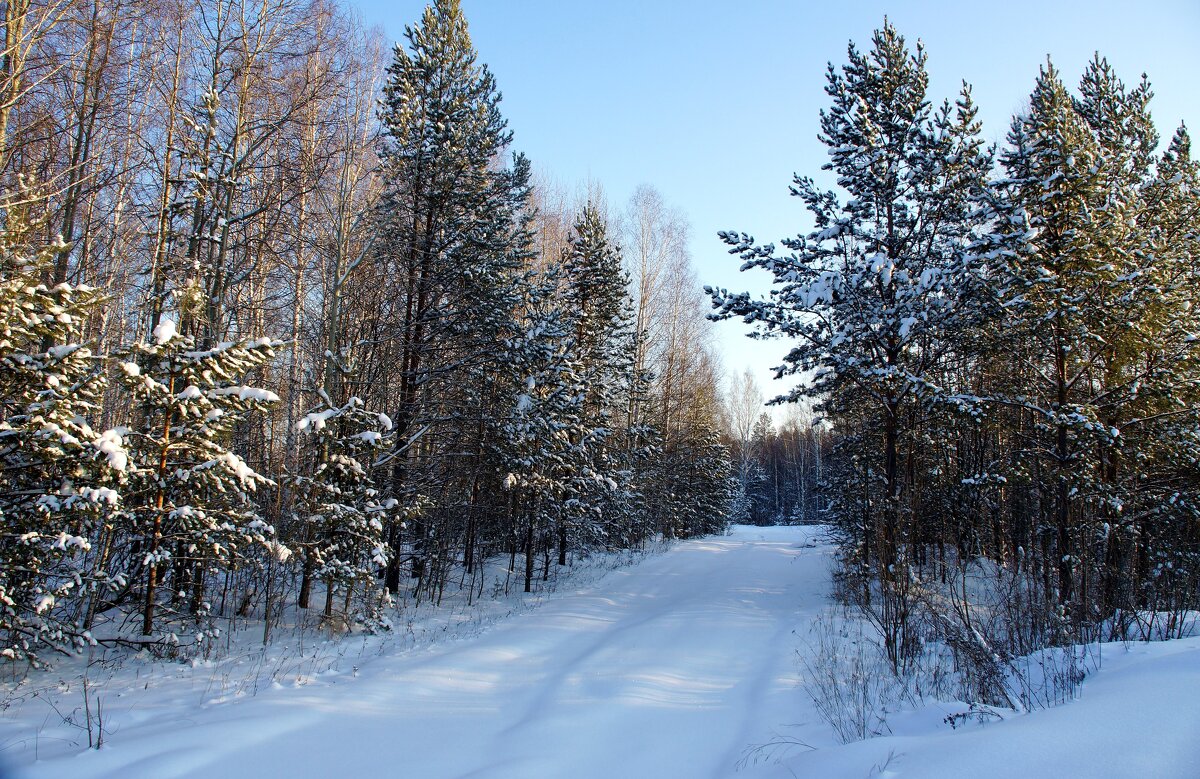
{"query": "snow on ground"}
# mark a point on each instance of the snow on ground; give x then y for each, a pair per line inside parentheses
(1137, 717)
(674, 667)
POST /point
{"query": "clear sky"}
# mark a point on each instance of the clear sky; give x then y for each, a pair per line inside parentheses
(716, 103)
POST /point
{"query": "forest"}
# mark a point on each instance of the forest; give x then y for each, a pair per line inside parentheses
(1001, 343)
(289, 324)
(266, 343)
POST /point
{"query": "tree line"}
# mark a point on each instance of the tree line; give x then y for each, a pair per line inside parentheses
(287, 322)
(1002, 342)
(779, 469)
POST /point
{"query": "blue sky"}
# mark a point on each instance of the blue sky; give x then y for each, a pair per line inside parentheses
(716, 103)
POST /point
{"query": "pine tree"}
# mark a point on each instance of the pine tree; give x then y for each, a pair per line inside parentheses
(445, 227)
(596, 294)
(708, 485)
(544, 435)
(1093, 277)
(499, 305)
(596, 304)
(869, 296)
(338, 507)
(190, 497)
(59, 478)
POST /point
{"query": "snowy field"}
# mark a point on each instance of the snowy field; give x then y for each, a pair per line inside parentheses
(677, 666)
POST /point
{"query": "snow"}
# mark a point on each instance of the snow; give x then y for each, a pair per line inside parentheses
(247, 393)
(317, 419)
(112, 446)
(1137, 716)
(164, 331)
(674, 667)
(100, 495)
(63, 351)
(238, 467)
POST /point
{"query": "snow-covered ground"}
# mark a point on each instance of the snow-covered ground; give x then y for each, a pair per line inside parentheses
(674, 667)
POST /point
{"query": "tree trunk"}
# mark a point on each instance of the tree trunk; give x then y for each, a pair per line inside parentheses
(529, 553)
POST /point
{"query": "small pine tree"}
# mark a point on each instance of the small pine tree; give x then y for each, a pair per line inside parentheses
(190, 496)
(339, 508)
(58, 477)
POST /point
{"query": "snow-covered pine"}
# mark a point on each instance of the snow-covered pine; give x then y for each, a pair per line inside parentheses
(1167, 426)
(339, 515)
(1096, 277)
(703, 485)
(871, 296)
(190, 497)
(596, 308)
(542, 438)
(59, 478)
(450, 222)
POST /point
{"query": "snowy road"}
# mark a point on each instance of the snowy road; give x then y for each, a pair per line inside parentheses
(668, 669)
(673, 667)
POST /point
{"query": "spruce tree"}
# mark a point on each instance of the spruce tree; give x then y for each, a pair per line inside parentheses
(544, 437)
(595, 300)
(338, 508)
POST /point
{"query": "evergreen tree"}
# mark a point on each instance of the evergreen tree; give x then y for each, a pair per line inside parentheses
(595, 301)
(339, 507)
(190, 497)
(1098, 304)
(707, 485)
(596, 295)
(502, 301)
(445, 227)
(545, 434)
(870, 296)
(59, 478)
